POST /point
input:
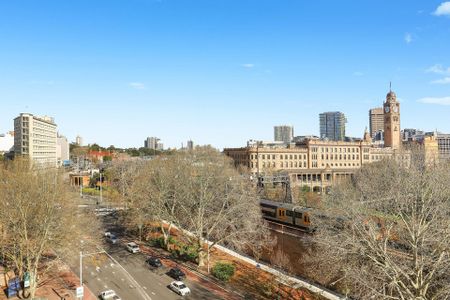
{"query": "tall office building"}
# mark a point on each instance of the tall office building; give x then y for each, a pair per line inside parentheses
(35, 137)
(62, 150)
(283, 133)
(376, 121)
(332, 125)
(151, 143)
(190, 145)
(79, 141)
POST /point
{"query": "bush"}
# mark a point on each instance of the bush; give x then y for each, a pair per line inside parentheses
(223, 271)
(185, 252)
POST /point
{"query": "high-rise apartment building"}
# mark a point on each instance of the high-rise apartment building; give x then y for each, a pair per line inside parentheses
(152, 143)
(35, 137)
(283, 133)
(376, 121)
(332, 126)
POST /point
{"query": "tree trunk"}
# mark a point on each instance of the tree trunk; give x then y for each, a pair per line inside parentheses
(201, 254)
(33, 284)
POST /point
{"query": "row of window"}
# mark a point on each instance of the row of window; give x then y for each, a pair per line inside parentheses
(292, 164)
(340, 149)
(340, 157)
(280, 156)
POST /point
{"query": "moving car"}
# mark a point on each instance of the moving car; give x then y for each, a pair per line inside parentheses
(109, 295)
(133, 247)
(176, 273)
(154, 262)
(180, 288)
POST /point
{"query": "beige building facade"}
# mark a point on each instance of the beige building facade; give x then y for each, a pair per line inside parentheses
(35, 137)
(319, 163)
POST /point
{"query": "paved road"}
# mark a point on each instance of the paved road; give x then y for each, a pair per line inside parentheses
(101, 273)
(155, 281)
(128, 274)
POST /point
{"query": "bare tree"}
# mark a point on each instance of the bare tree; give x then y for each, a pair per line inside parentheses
(220, 204)
(386, 234)
(201, 192)
(38, 217)
(123, 174)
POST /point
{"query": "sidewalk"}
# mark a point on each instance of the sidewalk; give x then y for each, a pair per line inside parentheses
(59, 286)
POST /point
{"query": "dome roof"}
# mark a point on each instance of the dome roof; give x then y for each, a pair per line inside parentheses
(391, 97)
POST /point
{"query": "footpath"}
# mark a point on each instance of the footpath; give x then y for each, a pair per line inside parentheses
(59, 284)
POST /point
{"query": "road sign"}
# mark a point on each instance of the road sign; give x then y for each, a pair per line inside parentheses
(26, 280)
(80, 292)
(13, 287)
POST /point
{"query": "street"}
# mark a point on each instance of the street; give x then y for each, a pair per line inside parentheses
(127, 273)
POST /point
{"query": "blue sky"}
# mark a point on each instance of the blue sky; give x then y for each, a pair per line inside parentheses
(220, 72)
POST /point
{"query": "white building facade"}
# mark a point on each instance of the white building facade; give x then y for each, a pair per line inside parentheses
(62, 149)
(35, 137)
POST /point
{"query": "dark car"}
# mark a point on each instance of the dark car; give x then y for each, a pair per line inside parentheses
(176, 274)
(154, 262)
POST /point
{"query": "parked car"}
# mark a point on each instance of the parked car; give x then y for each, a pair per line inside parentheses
(109, 295)
(154, 262)
(111, 238)
(176, 273)
(133, 247)
(180, 288)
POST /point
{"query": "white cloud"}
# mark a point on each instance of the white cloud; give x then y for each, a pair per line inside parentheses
(433, 100)
(438, 69)
(443, 9)
(445, 80)
(248, 66)
(137, 85)
(408, 38)
(358, 74)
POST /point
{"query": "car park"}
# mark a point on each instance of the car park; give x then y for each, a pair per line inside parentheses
(133, 247)
(180, 288)
(176, 273)
(154, 262)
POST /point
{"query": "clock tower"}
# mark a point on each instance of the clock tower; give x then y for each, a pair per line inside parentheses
(391, 110)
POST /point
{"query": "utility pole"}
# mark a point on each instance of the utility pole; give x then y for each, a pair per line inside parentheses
(101, 189)
(81, 271)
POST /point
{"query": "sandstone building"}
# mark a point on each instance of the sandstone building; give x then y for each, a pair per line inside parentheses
(318, 163)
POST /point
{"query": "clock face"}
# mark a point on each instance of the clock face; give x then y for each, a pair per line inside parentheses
(386, 109)
(395, 109)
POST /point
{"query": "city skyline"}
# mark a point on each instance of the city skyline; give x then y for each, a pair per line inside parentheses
(220, 73)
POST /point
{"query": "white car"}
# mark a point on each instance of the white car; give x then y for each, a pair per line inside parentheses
(133, 247)
(109, 295)
(180, 288)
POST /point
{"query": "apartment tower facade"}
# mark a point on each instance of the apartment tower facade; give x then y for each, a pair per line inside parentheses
(35, 137)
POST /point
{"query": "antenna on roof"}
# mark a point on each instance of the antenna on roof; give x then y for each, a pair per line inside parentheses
(390, 86)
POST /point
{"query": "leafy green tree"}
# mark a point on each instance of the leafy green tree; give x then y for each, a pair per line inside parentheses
(223, 271)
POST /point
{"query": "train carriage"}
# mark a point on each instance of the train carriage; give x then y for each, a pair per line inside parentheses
(287, 213)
